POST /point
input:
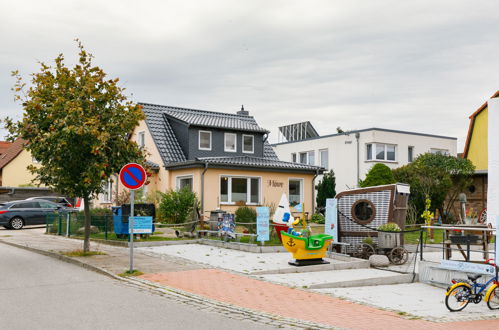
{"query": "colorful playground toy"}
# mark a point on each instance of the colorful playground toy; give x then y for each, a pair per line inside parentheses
(306, 249)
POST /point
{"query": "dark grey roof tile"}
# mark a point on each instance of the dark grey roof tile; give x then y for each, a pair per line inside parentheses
(257, 162)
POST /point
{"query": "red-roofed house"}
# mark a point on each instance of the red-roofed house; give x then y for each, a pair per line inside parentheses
(13, 165)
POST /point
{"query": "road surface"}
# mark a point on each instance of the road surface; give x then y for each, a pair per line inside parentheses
(39, 292)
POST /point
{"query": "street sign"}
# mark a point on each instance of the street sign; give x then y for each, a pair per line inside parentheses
(142, 225)
(133, 176)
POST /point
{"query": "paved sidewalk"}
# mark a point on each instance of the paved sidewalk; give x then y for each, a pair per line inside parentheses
(238, 290)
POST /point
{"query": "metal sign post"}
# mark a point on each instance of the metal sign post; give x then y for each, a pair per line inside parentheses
(130, 227)
(133, 176)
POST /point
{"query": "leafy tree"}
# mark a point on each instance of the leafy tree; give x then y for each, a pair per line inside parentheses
(438, 177)
(177, 206)
(77, 122)
(326, 188)
(378, 175)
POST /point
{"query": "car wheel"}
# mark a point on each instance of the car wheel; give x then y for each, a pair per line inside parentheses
(16, 223)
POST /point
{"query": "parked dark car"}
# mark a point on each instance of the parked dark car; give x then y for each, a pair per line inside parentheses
(54, 199)
(17, 214)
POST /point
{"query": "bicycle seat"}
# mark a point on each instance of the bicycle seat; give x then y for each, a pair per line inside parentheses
(474, 277)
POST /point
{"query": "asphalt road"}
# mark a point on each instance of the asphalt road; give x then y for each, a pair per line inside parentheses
(38, 292)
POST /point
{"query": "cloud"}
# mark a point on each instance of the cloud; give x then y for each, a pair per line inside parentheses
(421, 66)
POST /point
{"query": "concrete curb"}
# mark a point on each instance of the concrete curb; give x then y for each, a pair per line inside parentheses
(184, 296)
(389, 280)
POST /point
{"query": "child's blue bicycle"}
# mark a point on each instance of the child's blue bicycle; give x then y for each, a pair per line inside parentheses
(462, 292)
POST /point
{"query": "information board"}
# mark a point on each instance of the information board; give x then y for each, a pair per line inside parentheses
(331, 223)
(142, 225)
(468, 267)
(262, 223)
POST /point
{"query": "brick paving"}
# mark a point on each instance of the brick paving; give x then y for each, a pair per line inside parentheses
(294, 303)
(239, 290)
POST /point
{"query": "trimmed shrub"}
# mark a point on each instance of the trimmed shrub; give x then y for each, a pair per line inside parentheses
(177, 206)
(247, 215)
(318, 218)
(378, 175)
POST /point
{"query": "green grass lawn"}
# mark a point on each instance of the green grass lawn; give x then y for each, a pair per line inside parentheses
(413, 238)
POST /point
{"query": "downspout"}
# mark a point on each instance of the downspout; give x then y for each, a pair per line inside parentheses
(357, 136)
(313, 191)
(202, 188)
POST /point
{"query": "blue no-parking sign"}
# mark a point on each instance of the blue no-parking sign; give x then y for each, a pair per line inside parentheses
(133, 176)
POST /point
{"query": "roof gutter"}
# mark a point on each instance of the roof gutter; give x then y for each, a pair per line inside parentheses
(313, 191)
(202, 188)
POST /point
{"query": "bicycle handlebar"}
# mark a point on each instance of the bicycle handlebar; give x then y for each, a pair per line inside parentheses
(488, 261)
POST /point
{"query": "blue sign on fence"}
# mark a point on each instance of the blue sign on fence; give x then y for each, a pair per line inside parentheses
(331, 224)
(262, 223)
(142, 225)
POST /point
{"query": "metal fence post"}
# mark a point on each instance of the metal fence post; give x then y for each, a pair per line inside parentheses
(105, 226)
(59, 230)
(69, 224)
(421, 244)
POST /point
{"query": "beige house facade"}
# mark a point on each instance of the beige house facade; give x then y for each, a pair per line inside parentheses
(224, 158)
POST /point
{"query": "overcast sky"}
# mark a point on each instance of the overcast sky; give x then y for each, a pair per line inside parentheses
(421, 66)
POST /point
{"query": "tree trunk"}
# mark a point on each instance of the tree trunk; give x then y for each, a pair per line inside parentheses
(86, 240)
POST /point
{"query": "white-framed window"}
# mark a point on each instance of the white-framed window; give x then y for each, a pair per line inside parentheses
(381, 152)
(248, 144)
(184, 181)
(307, 157)
(437, 151)
(141, 140)
(293, 157)
(230, 142)
(235, 189)
(204, 140)
(295, 191)
(107, 191)
(324, 158)
(410, 154)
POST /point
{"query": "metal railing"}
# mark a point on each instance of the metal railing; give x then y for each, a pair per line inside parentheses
(466, 240)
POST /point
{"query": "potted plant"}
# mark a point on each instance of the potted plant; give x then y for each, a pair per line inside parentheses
(389, 235)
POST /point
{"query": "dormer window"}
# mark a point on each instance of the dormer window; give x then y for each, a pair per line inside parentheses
(230, 142)
(204, 140)
(248, 144)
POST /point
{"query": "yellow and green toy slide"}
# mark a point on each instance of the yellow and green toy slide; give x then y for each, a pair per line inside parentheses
(307, 250)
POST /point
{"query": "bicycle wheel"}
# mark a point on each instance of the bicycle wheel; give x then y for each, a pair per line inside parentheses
(458, 298)
(493, 302)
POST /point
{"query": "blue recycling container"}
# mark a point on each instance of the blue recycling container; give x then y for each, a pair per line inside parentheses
(121, 214)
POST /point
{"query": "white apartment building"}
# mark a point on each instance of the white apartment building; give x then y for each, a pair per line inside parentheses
(351, 154)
